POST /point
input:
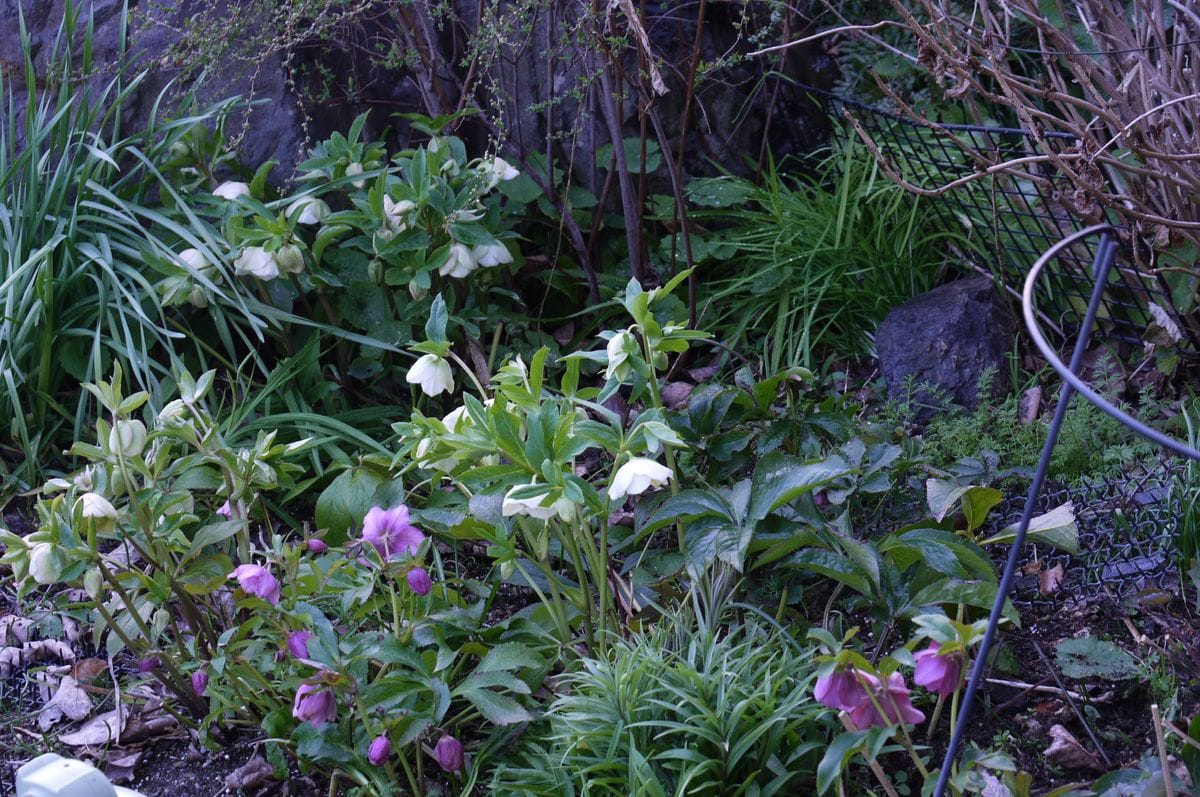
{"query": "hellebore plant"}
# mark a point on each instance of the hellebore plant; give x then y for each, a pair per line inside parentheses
(876, 697)
(514, 448)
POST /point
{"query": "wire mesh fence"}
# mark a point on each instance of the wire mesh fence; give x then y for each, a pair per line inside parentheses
(1012, 214)
(1127, 529)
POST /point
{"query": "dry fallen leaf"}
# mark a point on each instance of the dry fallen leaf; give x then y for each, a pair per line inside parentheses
(1031, 405)
(102, 729)
(118, 768)
(675, 394)
(86, 670)
(1066, 751)
(1048, 580)
(254, 772)
(68, 700)
(14, 630)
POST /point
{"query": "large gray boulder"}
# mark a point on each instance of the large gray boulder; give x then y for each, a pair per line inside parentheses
(934, 348)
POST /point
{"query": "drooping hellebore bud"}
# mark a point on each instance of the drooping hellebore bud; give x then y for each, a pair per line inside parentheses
(419, 581)
(380, 750)
(316, 545)
(290, 259)
(200, 682)
(128, 438)
(449, 754)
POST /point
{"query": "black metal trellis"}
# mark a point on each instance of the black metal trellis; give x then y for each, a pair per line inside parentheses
(1037, 242)
(1014, 214)
(1105, 256)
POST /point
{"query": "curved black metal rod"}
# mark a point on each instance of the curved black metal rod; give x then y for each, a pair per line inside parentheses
(1100, 269)
(1071, 378)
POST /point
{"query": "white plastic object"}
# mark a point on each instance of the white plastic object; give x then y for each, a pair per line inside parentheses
(51, 775)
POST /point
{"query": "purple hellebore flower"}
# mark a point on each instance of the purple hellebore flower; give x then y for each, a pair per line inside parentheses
(380, 750)
(225, 511)
(297, 643)
(316, 545)
(419, 581)
(200, 682)
(841, 689)
(149, 664)
(257, 580)
(390, 532)
(938, 673)
(315, 704)
(449, 753)
(891, 699)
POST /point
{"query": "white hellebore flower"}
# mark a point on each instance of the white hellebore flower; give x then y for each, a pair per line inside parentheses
(42, 566)
(231, 190)
(453, 421)
(395, 219)
(498, 169)
(313, 210)
(459, 264)
(636, 476)
(258, 262)
(620, 346)
(491, 255)
(432, 373)
(193, 259)
(98, 508)
(354, 169)
(533, 506)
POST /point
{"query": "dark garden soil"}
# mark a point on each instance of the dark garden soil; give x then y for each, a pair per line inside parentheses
(1028, 702)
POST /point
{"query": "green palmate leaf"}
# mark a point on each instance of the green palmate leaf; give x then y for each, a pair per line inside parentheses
(435, 327)
(1056, 527)
(836, 757)
(835, 566)
(345, 502)
(779, 479)
(687, 505)
(1089, 657)
(495, 708)
(981, 594)
(324, 743)
(713, 538)
(213, 534)
(944, 494)
(509, 656)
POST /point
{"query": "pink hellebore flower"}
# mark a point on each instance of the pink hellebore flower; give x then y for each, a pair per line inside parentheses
(225, 511)
(380, 750)
(297, 643)
(257, 580)
(419, 581)
(390, 532)
(841, 689)
(314, 704)
(937, 673)
(892, 700)
(449, 754)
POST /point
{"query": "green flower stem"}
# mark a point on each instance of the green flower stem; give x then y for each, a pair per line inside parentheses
(560, 620)
(656, 400)
(483, 394)
(581, 569)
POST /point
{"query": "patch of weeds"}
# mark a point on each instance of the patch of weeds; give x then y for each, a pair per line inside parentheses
(1090, 442)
